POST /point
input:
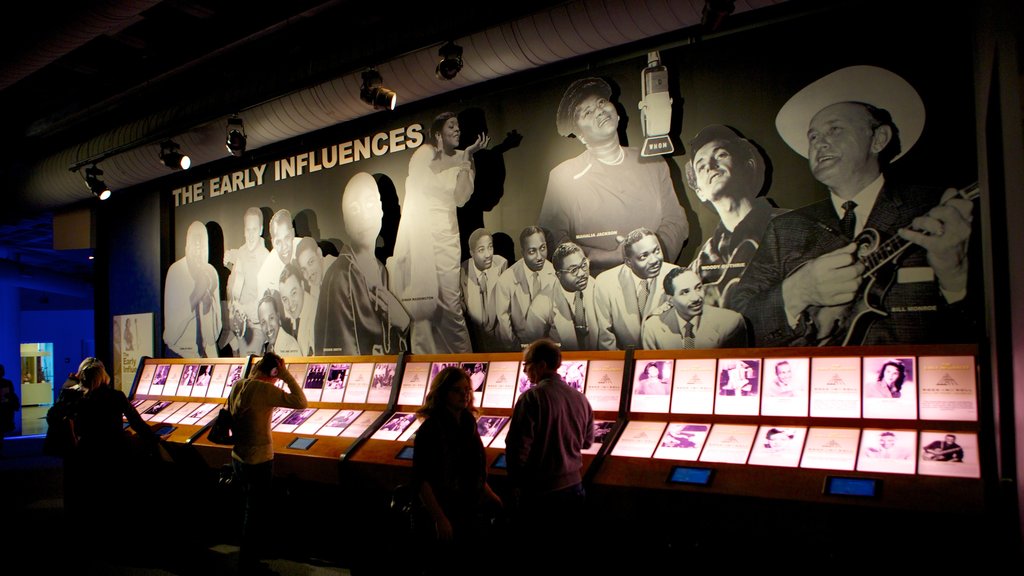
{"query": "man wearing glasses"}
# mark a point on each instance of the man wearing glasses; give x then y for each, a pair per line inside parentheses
(573, 321)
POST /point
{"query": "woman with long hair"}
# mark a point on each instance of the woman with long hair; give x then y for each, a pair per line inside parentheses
(450, 471)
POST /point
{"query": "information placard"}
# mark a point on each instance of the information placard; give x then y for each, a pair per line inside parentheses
(694, 386)
(313, 424)
(739, 386)
(218, 380)
(145, 379)
(835, 387)
(360, 377)
(830, 448)
(728, 443)
(604, 385)
(313, 383)
(639, 439)
(948, 388)
(414, 383)
(380, 387)
(499, 391)
(339, 422)
(335, 379)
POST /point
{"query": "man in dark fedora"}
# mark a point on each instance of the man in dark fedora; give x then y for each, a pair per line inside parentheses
(727, 173)
(595, 199)
(808, 282)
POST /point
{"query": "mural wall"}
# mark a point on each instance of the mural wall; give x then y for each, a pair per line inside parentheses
(794, 184)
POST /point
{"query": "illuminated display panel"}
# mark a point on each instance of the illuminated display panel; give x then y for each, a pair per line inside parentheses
(652, 386)
(489, 427)
(197, 414)
(739, 386)
(201, 386)
(785, 390)
(948, 390)
(187, 380)
(218, 380)
(728, 443)
(414, 383)
(574, 372)
(682, 441)
(154, 409)
(313, 382)
(294, 420)
(361, 424)
(182, 412)
(146, 379)
(601, 430)
(889, 386)
(360, 377)
(952, 454)
(159, 380)
(380, 386)
(335, 378)
(639, 439)
(778, 446)
(338, 422)
(168, 411)
(500, 389)
(234, 376)
(477, 378)
(693, 386)
(884, 450)
(314, 422)
(830, 448)
(170, 387)
(395, 426)
(835, 387)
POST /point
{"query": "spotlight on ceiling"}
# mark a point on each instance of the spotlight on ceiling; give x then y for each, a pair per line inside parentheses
(173, 159)
(373, 93)
(235, 139)
(95, 185)
(451, 61)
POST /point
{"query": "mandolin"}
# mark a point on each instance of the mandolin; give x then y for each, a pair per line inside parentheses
(848, 324)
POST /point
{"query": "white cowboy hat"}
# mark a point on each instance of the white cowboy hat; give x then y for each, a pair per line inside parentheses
(868, 84)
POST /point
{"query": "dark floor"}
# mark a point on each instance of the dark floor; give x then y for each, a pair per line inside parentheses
(35, 534)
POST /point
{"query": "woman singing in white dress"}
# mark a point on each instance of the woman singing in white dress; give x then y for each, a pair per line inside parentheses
(425, 268)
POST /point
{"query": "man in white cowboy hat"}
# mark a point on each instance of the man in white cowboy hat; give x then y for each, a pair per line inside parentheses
(595, 199)
(810, 282)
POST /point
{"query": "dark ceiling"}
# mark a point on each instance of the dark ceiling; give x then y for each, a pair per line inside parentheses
(71, 71)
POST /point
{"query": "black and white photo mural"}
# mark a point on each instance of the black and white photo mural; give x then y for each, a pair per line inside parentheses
(800, 197)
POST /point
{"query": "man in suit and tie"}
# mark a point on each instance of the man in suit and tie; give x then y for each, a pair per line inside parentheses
(627, 294)
(522, 297)
(850, 125)
(573, 320)
(688, 323)
(479, 277)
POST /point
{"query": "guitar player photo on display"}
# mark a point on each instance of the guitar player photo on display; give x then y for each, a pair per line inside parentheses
(877, 262)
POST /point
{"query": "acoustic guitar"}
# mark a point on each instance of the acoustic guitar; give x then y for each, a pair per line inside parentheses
(848, 324)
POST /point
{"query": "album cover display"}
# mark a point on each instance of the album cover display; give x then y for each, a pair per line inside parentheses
(884, 450)
(201, 385)
(953, 454)
(187, 380)
(778, 446)
(652, 386)
(728, 443)
(234, 376)
(948, 388)
(889, 386)
(682, 441)
(639, 439)
(500, 389)
(694, 385)
(604, 385)
(739, 386)
(477, 378)
(835, 387)
(785, 390)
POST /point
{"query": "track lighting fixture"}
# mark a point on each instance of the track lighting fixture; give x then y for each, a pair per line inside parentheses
(95, 185)
(235, 139)
(173, 159)
(451, 61)
(373, 93)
